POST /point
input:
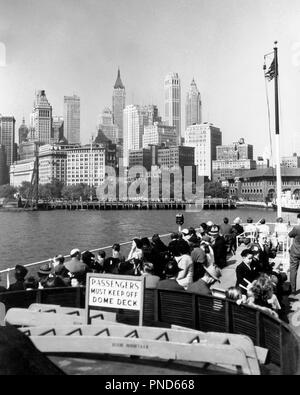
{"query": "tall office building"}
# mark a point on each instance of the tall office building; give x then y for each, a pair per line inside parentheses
(193, 106)
(108, 127)
(23, 132)
(204, 138)
(118, 103)
(4, 178)
(133, 124)
(173, 103)
(58, 129)
(42, 118)
(72, 119)
(7, 138)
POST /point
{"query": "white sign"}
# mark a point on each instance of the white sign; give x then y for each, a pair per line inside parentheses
(120, 292)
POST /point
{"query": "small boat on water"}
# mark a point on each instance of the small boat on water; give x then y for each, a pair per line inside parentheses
(288, 203)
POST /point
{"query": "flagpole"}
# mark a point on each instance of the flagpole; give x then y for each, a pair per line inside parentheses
(277, 139)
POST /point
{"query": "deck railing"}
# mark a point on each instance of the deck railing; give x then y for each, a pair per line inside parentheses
(286, 246)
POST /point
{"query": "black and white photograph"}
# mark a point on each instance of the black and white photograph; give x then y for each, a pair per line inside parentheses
(149, 190)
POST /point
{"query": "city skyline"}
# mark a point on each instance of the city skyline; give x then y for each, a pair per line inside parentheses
(214, 43)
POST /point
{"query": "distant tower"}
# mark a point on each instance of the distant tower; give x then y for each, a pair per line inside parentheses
(118, 103)
(23, 132)
(173, 103)
(107, 126)
(42, 117)
(193, 106)
(72, 119)
(7, 137)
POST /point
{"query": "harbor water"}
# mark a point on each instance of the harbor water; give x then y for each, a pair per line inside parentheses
(27, 237)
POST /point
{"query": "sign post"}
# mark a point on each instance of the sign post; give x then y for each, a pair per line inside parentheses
(116, 292)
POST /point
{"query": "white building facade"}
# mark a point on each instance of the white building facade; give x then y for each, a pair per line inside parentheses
(133, 129)
(21, 171)
(52, 164)
(86, 165)
(158, 134)
(204, 138)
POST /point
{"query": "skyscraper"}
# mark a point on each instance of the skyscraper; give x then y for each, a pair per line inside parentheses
(4, 178)
(133, 130)
(193, 106)
(173, 103)
(118, 103)
(42, 117)
(204, 138)
(72, 119)
(7, 137)
(58, 129)
(23, 132)
(108, 127)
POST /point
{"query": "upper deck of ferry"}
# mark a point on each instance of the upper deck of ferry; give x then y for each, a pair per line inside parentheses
(216, 314)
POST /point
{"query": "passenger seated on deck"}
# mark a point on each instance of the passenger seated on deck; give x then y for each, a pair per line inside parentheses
(261, 296)
(101, 259)
(136, 251)
(244, 271)
(200, 258)
(20, 274)
(147, 270)
(47, 279)
(203, 285)
(184, 261)
(170, 273)
(89, 259)
(76, 266)
(235, 294)
(31, 283)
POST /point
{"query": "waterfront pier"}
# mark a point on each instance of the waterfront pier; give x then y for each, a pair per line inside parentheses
(201, 204)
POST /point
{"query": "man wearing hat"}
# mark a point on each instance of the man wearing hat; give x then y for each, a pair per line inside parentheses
(171, 271)
(219, 246)
(20, 274)
(202, 286)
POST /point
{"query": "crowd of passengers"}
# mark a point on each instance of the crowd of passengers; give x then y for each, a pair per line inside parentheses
(191, 261)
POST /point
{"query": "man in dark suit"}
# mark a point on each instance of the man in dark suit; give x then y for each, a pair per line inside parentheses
(219, 246)
(295, 254)
(244, 272)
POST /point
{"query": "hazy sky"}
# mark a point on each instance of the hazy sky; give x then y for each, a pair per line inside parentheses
(76, 46)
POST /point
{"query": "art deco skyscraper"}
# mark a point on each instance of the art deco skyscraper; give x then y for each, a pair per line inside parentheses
(193, 106)
(118, 103)
(42, 118)
(173, 103)
(72, 119)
